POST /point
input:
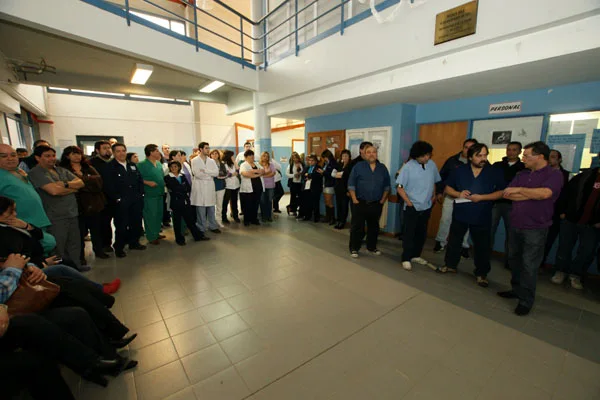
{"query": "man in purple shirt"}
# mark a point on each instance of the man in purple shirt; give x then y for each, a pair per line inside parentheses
(533, 193)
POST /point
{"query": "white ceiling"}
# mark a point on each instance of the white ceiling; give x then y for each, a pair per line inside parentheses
(81, 66)
(574, 68)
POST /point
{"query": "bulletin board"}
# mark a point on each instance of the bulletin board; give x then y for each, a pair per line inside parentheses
(571, 148)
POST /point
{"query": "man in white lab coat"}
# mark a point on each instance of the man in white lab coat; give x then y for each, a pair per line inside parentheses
(203, 195)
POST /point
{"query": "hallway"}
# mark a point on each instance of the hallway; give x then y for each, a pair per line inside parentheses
(283, 312)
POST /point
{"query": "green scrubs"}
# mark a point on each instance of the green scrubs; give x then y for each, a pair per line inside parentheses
(153, 197)
(29, 205)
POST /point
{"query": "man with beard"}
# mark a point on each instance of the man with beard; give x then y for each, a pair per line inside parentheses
(474, 187)
(101, 162)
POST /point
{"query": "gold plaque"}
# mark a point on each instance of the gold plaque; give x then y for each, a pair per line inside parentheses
(456, 23)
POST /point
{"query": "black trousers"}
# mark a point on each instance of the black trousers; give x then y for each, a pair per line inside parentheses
(295, 192)
(482, 241)
(250, 203)
(310, 205)
(30, 371)
(66, 335)
(166, 214)
(342, 202)
(414, 233)
(369, 213)
(128, 222)
(79, 293)
(93, 224)
(187, 214)
(279, 192)
(106, 217)
(231, 197)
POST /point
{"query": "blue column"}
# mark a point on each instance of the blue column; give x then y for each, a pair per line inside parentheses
(262, 128)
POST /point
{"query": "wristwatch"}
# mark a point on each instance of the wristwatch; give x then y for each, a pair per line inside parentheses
(66, 185)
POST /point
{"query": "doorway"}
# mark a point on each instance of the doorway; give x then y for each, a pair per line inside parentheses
(86, 143)
(447, 139)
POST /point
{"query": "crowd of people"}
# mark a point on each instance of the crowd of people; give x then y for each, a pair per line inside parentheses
(49, 205)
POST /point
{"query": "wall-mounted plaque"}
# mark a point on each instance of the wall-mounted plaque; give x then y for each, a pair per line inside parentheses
(458, 22)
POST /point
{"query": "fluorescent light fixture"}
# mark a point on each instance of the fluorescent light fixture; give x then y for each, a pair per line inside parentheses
(58, 89)
(211, 87)
(139, 96)
(182, 101)
(96, 92)
(141, 74)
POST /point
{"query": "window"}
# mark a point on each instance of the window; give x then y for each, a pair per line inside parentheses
(576, 154)
(14, 133)
(173, 25)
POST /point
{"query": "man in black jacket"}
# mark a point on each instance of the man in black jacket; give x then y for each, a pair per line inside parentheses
(580, 212)
(511, 165)
(448, 202)
(124, 188)
(100, 162)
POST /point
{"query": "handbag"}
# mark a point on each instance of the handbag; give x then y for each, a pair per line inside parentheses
(30, 299)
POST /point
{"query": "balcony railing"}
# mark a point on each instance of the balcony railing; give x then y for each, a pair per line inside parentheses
(285, 30)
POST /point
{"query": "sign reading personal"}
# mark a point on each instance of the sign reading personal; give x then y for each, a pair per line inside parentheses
(458, 22)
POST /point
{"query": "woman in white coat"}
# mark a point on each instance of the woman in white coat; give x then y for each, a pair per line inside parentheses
(203, 195)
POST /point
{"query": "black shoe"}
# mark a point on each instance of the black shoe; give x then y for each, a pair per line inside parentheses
(438, 248)
(339, 226)
(226, 221)
(237, 220)
(124, 341)
(246, 223)
(521, 310)
(180, 243)
(277, 211)
(101, 255)
(137, 247)
(464, 253)
(202, 239)
(255, 223)
(166, 224)
(215, 230)
(120, 253)
(509, 294)
(123, 364)
(107, 249)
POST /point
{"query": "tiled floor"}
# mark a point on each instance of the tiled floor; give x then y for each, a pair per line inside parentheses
(282, 312)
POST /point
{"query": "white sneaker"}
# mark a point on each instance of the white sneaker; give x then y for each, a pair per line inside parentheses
(559, 277)
(375, 252)
(407, 265)
(420, 261)
(354, 254)
(576, 282)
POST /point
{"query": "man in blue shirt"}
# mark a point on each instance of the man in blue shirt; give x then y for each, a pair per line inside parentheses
(369, 187)
(474, 186)
(416, 186)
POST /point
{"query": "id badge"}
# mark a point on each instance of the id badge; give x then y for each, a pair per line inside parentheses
(307, 184)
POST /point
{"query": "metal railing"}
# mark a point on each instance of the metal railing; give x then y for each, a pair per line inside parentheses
(255, 39)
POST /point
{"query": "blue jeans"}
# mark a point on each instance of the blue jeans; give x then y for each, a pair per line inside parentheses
(266, 204)
(525, 253)
(206, 218)
(586, 251)
(446, 221)
(60, 270)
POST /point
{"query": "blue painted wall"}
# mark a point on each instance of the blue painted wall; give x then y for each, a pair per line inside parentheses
(401, 117)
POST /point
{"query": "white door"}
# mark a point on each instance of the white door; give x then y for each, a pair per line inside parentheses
(381, 138)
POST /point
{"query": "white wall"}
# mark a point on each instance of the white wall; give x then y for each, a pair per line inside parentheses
(139, 122)
(371, 58)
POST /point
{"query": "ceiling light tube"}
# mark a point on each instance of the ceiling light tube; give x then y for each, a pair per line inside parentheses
(141, 74)
(211, 87)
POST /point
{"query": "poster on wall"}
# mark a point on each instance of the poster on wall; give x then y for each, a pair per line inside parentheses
(501, 137)
(560, 127)
(571, 148)
(595, 146)
(586, 126)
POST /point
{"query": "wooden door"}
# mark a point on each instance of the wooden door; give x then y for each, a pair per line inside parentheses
(446, 139)
(332, 140)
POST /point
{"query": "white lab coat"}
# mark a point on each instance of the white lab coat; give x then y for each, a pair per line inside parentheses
(203, 185)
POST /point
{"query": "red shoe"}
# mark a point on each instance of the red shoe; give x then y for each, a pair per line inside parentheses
(111, 287)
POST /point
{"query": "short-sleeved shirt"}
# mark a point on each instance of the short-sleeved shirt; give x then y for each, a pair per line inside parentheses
(369, 185)
(536, 214)
(488, 181)
(29, 203)
(154, 173)
(57, 207)
(417, 180)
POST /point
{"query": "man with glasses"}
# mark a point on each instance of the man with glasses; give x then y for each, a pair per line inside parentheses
(203, 195)
(154, 189)
(448, 202)
(533, 193)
